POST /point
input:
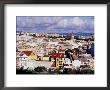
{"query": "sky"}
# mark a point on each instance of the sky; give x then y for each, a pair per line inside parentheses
(55, 24)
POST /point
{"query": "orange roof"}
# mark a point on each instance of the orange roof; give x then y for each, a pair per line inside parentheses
(28, 53)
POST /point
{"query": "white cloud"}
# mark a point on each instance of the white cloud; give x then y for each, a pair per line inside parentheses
(63, 23)
(57, 22)
(71, 22)
(78, 22)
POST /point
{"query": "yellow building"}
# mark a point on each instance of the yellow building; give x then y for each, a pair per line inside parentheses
(32, 57)
(45, 58)
(58, 62)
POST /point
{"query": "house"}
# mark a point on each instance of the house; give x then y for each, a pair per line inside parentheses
(22, 60)
(30, 55)
(45, 58)
(57, 59)
(65, 45)
(26, 59)
(59, 62)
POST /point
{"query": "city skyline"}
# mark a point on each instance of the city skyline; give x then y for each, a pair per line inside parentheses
(55, 24)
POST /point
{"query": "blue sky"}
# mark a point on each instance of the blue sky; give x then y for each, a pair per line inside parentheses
(55, 24)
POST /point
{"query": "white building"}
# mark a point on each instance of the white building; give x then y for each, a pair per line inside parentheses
(22, 61)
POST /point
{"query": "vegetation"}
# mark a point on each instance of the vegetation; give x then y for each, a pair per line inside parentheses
(42, 69)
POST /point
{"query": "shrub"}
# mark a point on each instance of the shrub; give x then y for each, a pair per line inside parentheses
(57, 70)
(40, 69)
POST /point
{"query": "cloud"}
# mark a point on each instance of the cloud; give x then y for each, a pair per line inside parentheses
(33, 21)
(72, 22)
(56, 23)
(77, 22)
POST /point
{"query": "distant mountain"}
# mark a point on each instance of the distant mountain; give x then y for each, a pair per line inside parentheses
(77, 33)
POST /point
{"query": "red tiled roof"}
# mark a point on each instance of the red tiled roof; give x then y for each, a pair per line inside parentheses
(28, 53)
(57, 55)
